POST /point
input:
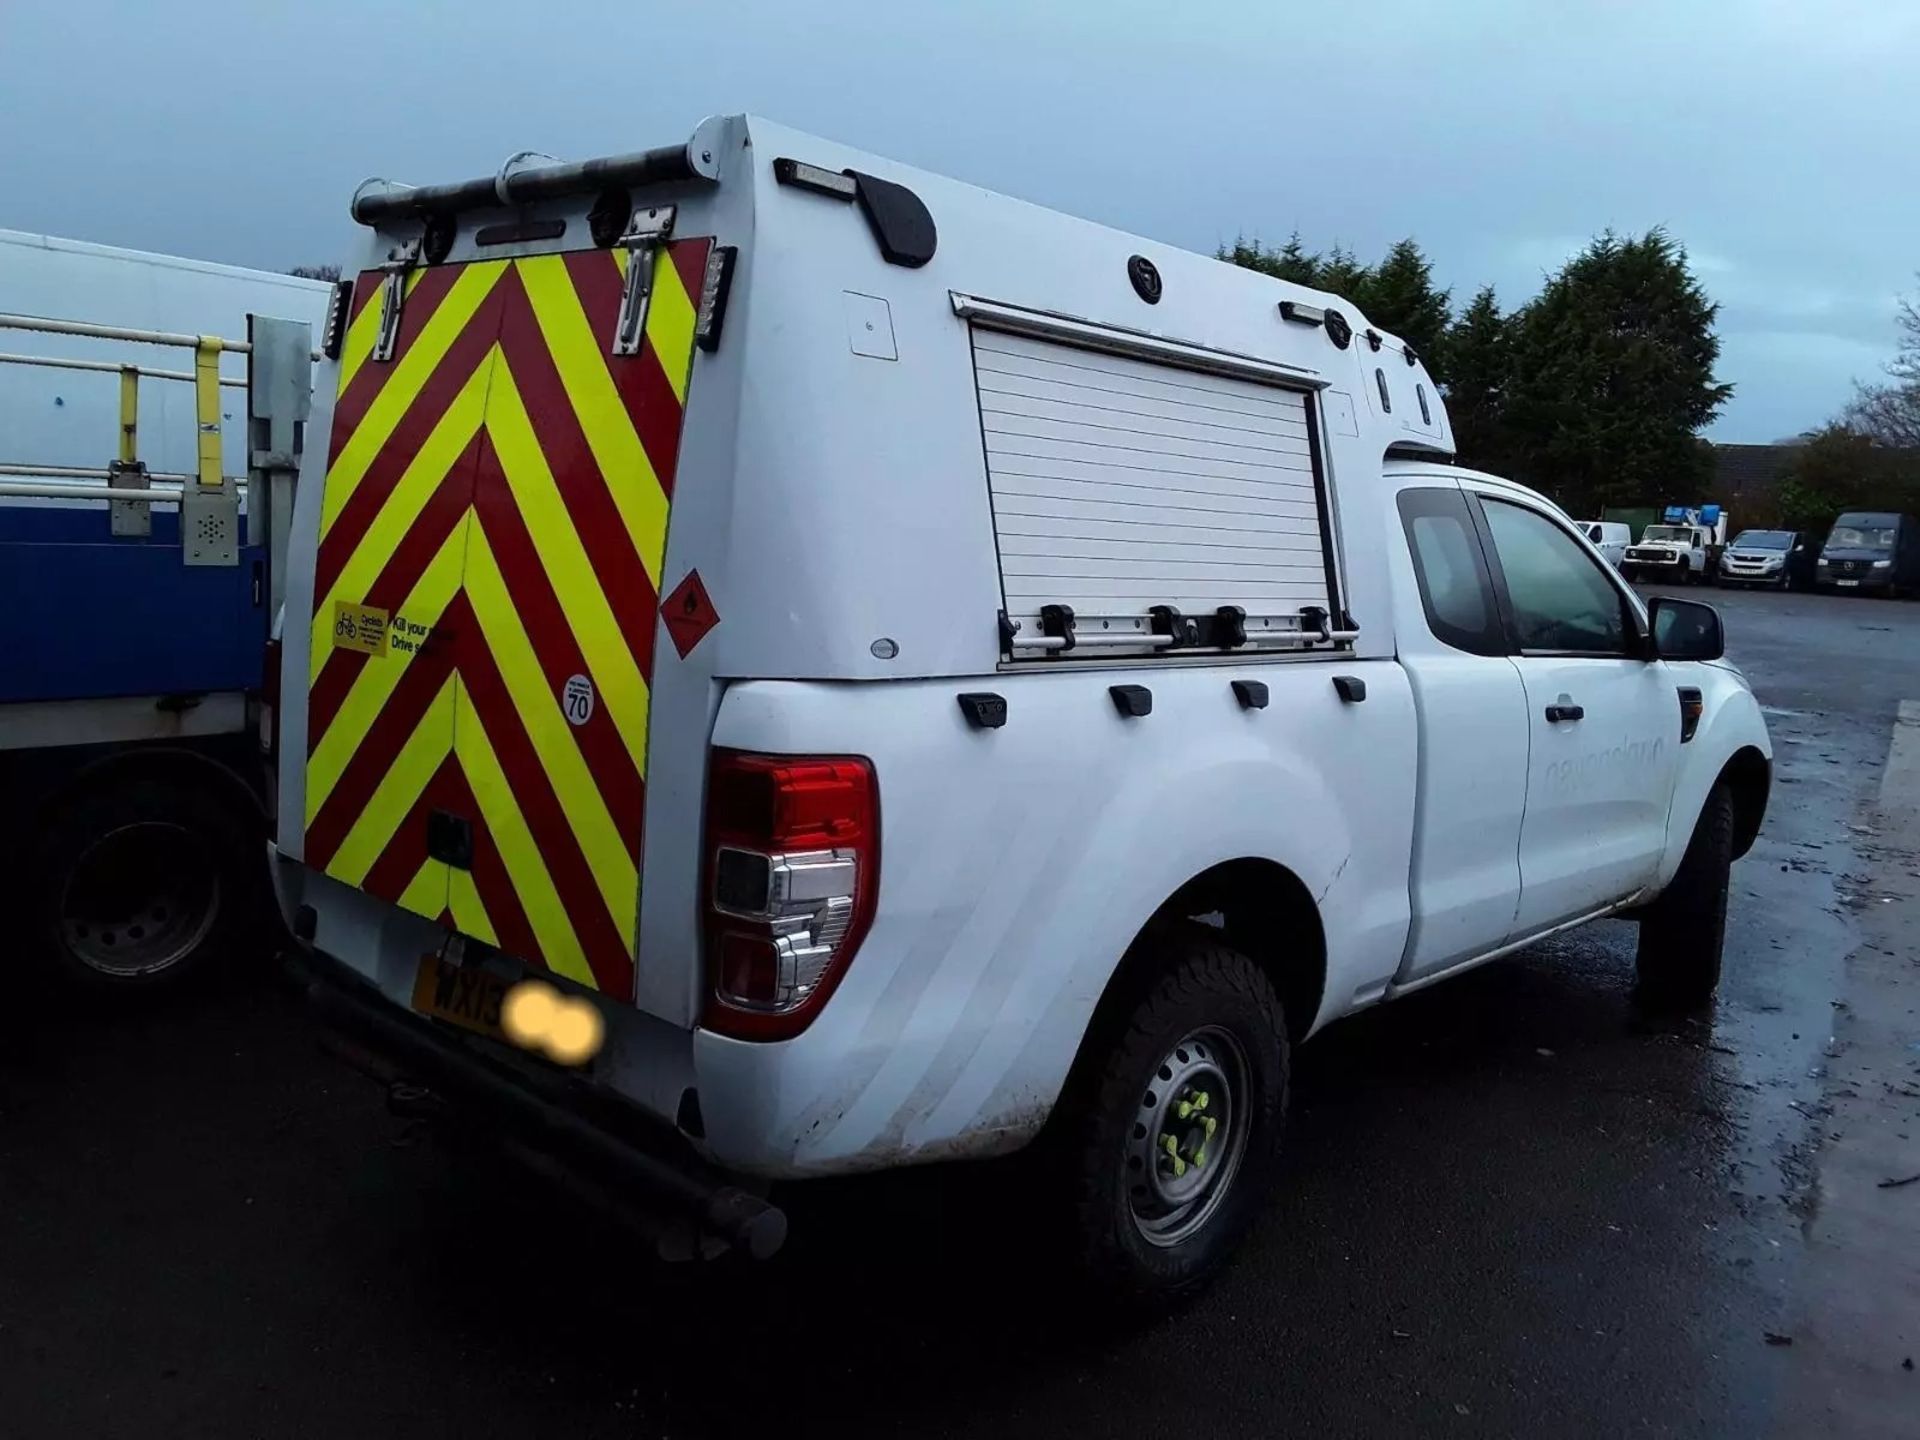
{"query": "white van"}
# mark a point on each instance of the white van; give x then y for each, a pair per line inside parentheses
(1609, 537)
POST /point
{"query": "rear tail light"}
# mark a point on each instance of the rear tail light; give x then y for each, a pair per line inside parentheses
(793, 865)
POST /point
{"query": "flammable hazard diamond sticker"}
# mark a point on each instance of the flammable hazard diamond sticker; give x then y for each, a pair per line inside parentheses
(688, 613)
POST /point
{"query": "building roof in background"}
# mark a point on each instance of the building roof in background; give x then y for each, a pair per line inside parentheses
(1749, 470)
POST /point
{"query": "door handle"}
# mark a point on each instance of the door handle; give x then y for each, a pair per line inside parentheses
(1557, 713)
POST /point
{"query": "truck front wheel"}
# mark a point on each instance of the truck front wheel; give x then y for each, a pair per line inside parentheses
(1683, 932)
(1171, 1143)
(142, 881)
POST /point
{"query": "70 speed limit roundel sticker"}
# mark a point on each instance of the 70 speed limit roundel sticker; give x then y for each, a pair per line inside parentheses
(576, 699)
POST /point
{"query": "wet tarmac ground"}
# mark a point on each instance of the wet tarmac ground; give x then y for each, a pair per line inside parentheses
(1512, 1208)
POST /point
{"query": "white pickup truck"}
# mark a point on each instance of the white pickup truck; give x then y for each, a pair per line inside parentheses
(1054, 675)
(1670, 554)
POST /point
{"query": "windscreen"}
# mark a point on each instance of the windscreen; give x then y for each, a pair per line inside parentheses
(1669, 532)
(1763, 540)
(1861, 537)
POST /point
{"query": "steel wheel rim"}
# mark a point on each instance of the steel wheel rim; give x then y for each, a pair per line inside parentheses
(1187, 1136)
(139, 899)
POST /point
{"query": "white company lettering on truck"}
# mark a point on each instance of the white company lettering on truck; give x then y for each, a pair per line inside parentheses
(1080, 676)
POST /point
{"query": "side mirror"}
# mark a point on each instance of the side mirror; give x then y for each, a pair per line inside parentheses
(1685, 629)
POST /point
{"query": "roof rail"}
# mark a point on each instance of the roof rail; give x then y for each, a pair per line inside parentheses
(698, 159)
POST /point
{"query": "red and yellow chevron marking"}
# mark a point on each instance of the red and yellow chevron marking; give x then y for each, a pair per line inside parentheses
(493, 526)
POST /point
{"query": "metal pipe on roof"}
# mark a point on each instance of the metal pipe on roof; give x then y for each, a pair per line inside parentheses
(523, 187)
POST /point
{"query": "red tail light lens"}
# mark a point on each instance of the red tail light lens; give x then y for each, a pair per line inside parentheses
(793, 865)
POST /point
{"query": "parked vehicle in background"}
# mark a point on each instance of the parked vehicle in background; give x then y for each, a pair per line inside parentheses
(1609, 537)
(1872, 550)
(1669, 555)
(1148, 818)
(1780, 558)
(142, 458)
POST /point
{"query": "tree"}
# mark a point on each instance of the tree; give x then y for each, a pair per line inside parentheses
(316, 272)
(1339, 272)
(1611, 375)
(1290, 262)
(1476, 385)
(1890, 412)
(1841, 469)
(1399, 297)
(1396, 296)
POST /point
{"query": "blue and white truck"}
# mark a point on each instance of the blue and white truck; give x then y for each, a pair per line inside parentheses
(152, 410)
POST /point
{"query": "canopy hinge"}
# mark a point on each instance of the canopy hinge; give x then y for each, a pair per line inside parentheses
(645, 234)
(393, 296)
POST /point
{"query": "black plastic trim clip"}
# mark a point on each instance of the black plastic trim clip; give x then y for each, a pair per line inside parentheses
(1350, 688)
(1252, 694)
(984, 710)
(1132, 701)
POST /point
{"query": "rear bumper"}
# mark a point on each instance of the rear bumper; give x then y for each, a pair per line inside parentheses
(645, 1170)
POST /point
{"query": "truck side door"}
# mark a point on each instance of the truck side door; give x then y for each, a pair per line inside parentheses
(1603, 722)
(1464, 884)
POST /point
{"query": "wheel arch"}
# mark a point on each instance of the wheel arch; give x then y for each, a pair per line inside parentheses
(1748, 776)
(1265, 911)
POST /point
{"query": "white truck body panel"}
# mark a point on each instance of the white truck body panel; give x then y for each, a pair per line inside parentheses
(868, 478)
(72, 418)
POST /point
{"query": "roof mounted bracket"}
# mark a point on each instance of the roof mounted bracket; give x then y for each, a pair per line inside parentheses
(393, 296)
(902, 225)
(645, 234)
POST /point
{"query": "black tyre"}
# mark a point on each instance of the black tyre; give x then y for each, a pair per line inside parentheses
(143, 881)
(1686, 572)
(1683, 932)
(1173, 1129)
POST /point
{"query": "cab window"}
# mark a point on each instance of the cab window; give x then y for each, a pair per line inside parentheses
(1561, 601)
(1456, 591)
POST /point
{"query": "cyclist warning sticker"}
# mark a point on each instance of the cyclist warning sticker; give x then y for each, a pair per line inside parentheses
(359, 627)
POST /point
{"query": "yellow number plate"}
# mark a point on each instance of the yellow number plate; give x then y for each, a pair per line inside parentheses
(469, 998)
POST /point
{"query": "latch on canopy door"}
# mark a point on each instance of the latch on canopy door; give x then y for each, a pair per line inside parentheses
(645, 234)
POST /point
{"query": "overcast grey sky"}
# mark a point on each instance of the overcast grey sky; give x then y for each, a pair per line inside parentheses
(1778, 141)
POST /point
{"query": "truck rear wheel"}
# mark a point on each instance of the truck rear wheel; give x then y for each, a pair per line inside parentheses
(142, 882)
(1172, 1142)
(1683, 932)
